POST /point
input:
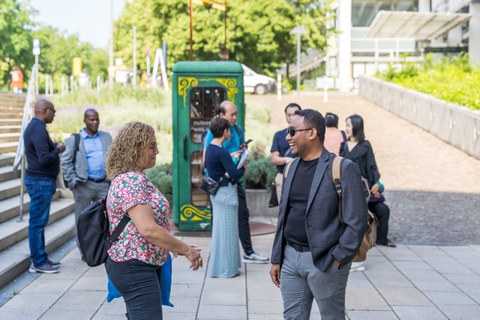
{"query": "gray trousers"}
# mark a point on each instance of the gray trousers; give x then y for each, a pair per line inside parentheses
(86, 192)
(301, 281)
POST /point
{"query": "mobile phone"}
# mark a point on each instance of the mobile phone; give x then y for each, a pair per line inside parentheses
(248, 141)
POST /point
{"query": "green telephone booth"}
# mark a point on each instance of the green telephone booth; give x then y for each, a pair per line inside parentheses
(198, 88)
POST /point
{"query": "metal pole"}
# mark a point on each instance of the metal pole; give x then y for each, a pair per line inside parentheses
(191, 30)
(36, 75)
(22, 188)
(110, 49)
(225, 51)
(298, 63)
(134, 58)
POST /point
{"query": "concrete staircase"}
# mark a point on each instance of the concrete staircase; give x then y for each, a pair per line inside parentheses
(14, 249)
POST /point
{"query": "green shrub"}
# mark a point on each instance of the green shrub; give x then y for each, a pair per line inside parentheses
(454, 80)
(260, 173)
(161, 176)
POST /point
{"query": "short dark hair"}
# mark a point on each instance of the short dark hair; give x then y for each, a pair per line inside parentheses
(357, 127)
(331, 120)
(292, 105)
(218, 126)
(313, 119)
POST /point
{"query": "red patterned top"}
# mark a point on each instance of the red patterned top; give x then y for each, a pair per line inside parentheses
(126, 191)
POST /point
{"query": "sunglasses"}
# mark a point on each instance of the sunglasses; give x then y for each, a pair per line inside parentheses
(291, 131)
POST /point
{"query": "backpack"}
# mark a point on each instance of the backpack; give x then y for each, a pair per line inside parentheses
(76, 146)
(93, 232)
(370, 235)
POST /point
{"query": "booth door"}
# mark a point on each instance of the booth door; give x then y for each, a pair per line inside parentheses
(203, 105)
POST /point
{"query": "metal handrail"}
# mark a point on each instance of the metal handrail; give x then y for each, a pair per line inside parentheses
(20, 154)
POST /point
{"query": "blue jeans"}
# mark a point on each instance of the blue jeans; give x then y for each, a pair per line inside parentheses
(41, 191)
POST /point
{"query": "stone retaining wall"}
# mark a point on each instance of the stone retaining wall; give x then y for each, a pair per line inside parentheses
(454, 124)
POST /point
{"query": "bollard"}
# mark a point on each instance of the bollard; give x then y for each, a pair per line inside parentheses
(325, 90)
(279, 87)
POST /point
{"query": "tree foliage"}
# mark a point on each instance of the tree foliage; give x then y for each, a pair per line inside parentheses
(258, 32)
(15, 37)
(17, 31)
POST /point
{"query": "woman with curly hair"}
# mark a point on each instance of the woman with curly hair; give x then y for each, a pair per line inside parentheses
(135, 259)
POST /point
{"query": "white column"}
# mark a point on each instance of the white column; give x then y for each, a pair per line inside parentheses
(344, 23)
(424, 6)
(474, 33)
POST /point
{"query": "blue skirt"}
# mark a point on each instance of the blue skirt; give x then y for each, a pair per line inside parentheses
(225, 250)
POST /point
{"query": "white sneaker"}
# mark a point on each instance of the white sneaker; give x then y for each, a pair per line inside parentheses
(357, 266)
(254, 258)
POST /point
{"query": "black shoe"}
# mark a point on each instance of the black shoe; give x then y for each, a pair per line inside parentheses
(44, 268)
(389, 243)
(53, 263)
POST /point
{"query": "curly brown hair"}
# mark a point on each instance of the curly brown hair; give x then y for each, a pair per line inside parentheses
(128, 147)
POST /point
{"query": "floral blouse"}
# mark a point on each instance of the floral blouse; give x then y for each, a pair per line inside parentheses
(126, 191)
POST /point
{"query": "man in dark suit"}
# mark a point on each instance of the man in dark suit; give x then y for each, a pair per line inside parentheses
(313, 249)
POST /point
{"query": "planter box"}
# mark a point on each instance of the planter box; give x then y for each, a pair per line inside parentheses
(257, 202)
(454, 124)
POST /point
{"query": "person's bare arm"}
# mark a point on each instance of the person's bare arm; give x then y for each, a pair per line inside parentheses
(142, 217)
(279, 161)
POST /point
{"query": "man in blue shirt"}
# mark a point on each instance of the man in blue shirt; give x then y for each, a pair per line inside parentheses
(43, 165)
(281, 151)
(228, 110)
(83, 163)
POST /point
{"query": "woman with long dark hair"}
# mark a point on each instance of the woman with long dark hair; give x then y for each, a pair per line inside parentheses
(359, 150)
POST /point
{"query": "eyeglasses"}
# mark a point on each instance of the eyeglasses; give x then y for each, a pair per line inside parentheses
(291, 131)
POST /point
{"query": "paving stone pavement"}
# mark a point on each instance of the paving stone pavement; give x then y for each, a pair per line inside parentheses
(432, 188)
(433, 192)
(409, 282)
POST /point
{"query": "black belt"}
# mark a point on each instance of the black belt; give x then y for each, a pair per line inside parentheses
(97, 180)
(299, 247)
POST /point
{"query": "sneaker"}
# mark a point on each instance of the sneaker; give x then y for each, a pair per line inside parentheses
(53, 263)
(254, 258)
(357, 266)
(44, 268)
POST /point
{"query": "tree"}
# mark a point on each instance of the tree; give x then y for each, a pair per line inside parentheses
(257, 31)
(15, 38)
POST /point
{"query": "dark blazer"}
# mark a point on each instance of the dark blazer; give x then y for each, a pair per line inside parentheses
(328, 237)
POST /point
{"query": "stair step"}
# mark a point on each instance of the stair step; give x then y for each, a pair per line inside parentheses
(10, 115)
(7, 159)
(6, 147)
(10, 208)
(10, 137)
(16, 259)
(10, 129)
(9, 188)
(7, 173)
(12, 231)
(10, 122)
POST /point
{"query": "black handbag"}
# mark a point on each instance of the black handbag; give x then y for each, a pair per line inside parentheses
(209, 185)
(273, 202)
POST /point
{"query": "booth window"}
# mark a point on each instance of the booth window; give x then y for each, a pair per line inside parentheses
(204, 103)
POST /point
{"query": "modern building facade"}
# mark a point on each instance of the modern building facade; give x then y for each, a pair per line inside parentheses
(375, 34)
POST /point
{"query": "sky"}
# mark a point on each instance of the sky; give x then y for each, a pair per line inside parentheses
(89, 19)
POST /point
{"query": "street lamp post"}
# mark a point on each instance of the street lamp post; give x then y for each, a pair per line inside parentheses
(298, 30)
(134, 58)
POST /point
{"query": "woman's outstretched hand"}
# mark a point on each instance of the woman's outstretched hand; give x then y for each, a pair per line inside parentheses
(194, 257)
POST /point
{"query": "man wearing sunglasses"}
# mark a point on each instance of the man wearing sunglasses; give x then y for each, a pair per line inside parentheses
(313, 249)
(228, 110)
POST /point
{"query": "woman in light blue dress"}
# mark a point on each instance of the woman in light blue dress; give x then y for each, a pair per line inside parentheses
(225, 250)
